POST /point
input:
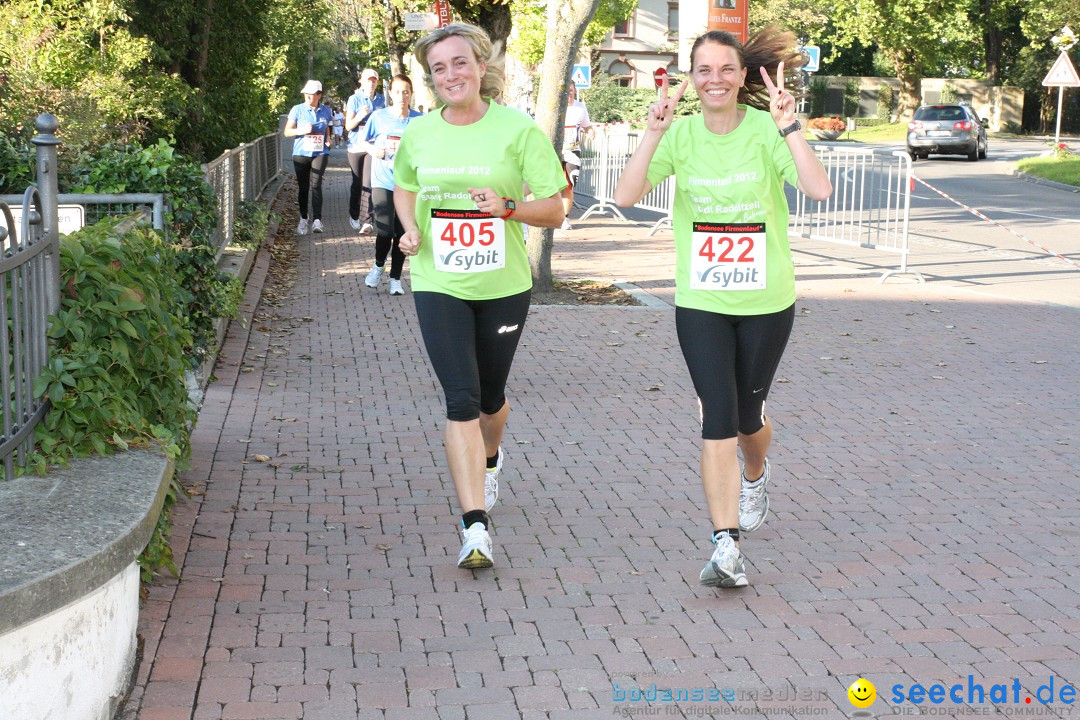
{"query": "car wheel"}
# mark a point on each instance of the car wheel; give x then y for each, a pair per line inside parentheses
(982, 153)
(974, 154)
(914, 156)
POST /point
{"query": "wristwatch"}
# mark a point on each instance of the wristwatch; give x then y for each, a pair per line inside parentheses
(790, 129)
(510, 206)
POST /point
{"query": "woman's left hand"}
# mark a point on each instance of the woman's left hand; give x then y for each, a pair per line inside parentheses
(489, 201)
(781, 103)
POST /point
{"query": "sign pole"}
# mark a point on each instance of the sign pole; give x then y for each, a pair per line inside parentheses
(1057, 129)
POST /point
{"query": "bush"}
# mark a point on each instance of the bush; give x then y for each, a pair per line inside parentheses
(949, 94)
(826, 123)
(610, 103)
(851, 98)
(192, 218)
(870, 122)
(249, 228)
(115, 375)
(819, 90)
(886, 102)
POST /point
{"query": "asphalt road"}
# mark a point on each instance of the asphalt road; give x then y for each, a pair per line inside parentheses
(1012, 257)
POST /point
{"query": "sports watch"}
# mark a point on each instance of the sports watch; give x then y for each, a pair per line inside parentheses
(510, 206)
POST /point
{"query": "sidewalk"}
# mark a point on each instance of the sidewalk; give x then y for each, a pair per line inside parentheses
(923, 528)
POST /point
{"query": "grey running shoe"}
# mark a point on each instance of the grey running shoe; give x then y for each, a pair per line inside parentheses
(301, 227)
(491, 483)
(395, 287)
(372, 279)
(754, 501)
(475, 548)
(725, 567)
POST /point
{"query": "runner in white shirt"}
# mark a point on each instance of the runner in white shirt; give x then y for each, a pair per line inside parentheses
(576, 125)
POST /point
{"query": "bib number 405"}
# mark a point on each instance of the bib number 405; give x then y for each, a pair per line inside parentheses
(468, 241)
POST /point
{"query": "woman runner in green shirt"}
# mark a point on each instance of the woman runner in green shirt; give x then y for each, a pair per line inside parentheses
(735, 279)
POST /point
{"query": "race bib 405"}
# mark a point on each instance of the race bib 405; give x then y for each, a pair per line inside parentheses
(468, 241)
(727, 256)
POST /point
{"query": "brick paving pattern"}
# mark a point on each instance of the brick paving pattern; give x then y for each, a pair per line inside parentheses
(923, 524)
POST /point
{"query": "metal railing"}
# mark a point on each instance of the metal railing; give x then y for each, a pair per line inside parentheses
(97, 206)
(869, 206)
(29, 293)
(237, 175)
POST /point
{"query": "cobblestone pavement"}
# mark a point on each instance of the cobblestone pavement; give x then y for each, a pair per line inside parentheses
(923, 527)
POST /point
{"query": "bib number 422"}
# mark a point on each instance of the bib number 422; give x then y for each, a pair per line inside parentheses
(727, 256)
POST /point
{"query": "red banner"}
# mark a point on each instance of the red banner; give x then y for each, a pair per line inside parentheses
(442, 11)
(730, 15)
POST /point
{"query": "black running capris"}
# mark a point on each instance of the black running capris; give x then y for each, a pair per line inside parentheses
(471, 344)
(732, 360)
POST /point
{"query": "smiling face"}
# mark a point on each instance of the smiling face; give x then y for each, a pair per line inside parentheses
(862, 693)
(455, 71)
(717, 74)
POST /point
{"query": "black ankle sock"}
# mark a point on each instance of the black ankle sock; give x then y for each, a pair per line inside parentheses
(475, 516)
(493, 461)
(733, 532)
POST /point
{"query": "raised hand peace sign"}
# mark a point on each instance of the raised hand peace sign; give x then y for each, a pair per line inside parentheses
(662, 112)
(781, 104)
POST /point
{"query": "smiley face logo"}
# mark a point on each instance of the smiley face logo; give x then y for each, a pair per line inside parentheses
(862, 693)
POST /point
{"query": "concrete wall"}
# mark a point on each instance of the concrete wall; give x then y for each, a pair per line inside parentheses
(74, 662)
(1002, 106)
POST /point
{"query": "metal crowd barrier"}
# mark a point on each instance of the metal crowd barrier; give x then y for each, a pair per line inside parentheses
(29, 293)
(869, 206)
(237, 175)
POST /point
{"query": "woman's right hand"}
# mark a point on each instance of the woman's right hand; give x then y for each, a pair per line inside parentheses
(662, 112)
(410, 242)
(303, 128)
(379, 152)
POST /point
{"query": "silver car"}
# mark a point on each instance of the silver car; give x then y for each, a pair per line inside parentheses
(947, 130)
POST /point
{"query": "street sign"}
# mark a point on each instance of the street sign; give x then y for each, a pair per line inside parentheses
(581, 77)
(421, 21)
(70, 218)
(813, 58)
(1062, 74)
(658, 76)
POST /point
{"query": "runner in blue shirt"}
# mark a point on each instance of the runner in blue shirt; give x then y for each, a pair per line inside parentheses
(309, 122)
(360, 106)
(381, 137)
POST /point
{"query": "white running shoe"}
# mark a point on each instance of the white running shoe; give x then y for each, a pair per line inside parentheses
(301, 229)
(566, 225)
(491, 482)
(754, 501)
(366, 229)
(475, 548)
(725, 567)
(354, 223)
(372, 279)
(316, 227)
(395, 287)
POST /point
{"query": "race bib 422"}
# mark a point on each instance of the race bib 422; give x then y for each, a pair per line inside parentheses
(727, 256)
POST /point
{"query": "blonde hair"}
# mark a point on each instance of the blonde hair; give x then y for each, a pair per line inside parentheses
(491, 84)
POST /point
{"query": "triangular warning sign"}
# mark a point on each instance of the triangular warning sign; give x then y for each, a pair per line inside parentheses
(579, 78)
(1063, 74)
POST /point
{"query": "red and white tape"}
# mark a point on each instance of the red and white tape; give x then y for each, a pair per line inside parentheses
(995, 223)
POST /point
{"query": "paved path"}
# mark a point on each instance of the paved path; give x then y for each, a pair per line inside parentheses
(923, 529)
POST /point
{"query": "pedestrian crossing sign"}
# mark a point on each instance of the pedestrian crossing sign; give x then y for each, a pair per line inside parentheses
(581, 77)
(1062, 74)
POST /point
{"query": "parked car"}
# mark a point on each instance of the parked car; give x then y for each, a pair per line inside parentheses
(947, 130)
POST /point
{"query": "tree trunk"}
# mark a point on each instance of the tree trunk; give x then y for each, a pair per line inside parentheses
(397, 50)
(566, 23)
(910, 84)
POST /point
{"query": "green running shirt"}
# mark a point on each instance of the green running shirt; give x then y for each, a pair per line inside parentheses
(730, 216)
(465, 253)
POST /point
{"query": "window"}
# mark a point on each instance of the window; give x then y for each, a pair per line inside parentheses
(622, 73)
(625, 29)
(672, 19)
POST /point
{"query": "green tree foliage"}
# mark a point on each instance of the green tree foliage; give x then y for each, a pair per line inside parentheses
(908, 39)
(530, 32)
(82, 62)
